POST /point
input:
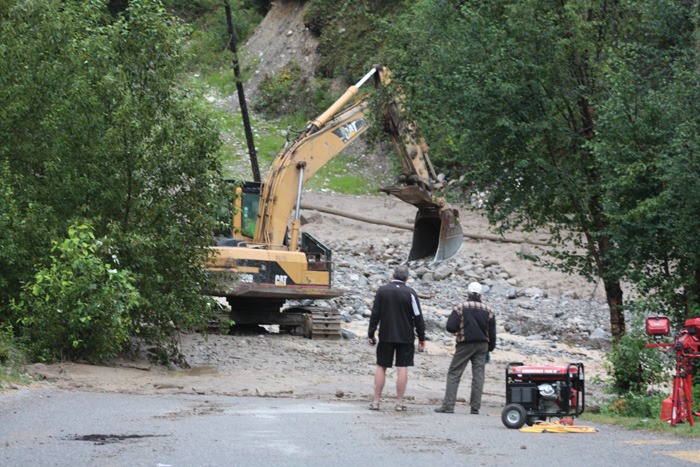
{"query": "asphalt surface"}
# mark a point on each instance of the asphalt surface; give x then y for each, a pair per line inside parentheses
(49, 427)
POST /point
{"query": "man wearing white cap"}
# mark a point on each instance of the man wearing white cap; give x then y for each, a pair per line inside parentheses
(474, 326)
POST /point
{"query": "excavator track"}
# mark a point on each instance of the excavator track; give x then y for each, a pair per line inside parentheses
(311, 321)
(322, 323)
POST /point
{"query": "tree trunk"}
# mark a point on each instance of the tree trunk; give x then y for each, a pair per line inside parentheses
(117, 6)
(611, 282)
(613, 294)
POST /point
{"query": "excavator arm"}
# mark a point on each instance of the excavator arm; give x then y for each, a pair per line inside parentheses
(296, 163)
(437, 233)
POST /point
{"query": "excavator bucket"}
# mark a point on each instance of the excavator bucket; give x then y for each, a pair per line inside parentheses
(437, 233)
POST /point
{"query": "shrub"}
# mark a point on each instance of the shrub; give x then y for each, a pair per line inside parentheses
(288, 92)
(635, 405)
(78, 306)
(10, 352)
(12, 357)
(634, 366)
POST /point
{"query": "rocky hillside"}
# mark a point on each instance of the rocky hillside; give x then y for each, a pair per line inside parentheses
(279, 39)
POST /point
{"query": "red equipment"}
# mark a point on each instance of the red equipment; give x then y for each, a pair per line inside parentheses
(679, 406)
(537, 392)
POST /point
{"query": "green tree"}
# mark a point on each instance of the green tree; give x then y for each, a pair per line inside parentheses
(649, 143)
(509, 91)
(10, 243)
(97, 126)
(577, 116)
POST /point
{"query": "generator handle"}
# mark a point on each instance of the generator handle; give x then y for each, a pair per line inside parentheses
(511, 364)
(581, 399)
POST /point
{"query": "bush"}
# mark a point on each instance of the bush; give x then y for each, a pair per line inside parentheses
(290, 93)
(10, 352)
(208, 32)
(78, 307)
(12, 357)
(635, 405)
(634, 366)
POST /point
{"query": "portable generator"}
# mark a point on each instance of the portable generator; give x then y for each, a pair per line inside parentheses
(538, 392)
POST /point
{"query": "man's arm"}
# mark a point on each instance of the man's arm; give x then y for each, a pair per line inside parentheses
(492, 331)
(374, 318)
(453, 321)
(418, 320)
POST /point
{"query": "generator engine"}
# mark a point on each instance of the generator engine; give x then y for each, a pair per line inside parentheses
(550, 396)
(538, 392)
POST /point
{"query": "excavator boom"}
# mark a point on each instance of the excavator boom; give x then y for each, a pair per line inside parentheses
(437, 234)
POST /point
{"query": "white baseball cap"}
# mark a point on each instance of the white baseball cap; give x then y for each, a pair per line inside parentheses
(474, 287)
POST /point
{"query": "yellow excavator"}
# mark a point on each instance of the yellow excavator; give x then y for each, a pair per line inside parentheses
(268, 260)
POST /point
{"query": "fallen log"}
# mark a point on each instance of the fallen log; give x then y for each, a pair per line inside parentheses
(398, 225)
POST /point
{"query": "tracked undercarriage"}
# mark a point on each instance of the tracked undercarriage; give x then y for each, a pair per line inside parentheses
(272, 297)
(312, 322)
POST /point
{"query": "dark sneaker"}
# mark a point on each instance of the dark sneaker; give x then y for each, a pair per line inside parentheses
(474, 412)
(444, 410)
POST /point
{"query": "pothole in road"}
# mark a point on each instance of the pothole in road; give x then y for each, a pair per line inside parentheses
(105, 439)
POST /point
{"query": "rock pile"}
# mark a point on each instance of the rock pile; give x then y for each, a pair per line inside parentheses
(528, 319)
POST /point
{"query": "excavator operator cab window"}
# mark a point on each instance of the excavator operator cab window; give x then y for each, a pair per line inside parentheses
(250, 202)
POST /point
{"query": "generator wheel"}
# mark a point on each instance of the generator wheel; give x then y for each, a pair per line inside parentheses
(514, 416)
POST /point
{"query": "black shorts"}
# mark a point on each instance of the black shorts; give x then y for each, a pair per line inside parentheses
(404, 354)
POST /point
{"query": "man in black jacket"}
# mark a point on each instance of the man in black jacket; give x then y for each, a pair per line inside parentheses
(474, 326)
(396, 309)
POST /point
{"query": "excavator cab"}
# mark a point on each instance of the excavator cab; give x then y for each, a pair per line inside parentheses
(250, 204)
(247, 206)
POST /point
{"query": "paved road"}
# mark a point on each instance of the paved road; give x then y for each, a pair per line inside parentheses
(48, 427)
